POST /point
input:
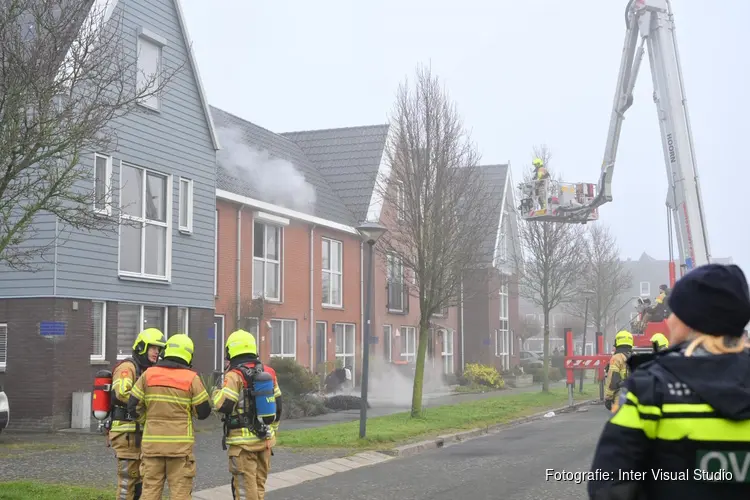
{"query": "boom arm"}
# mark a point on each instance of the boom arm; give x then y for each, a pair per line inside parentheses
(652, 23)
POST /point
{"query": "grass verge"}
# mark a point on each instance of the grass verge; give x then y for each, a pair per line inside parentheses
(27, 490)
(384, 432)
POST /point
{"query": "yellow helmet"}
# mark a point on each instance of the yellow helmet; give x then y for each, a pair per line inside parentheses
(149, 336)
(660, 340)
(180, 346)
(623, 338)
(537, 162)
(241, 342)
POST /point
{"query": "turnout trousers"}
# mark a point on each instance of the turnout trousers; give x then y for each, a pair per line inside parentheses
(178, 472)
(128, 466)
(249, 471)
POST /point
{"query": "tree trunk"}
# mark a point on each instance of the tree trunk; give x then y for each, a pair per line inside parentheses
(545, 366)
(416, 396)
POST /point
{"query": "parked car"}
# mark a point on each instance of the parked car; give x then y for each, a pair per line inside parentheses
(530, 359)
(4, 410)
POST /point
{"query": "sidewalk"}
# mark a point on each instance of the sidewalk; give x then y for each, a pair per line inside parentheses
(319, 469)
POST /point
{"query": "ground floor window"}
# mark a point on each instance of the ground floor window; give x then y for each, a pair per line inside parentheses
(409, 344)
(99, 331)
(448, 367)
(183, 320)
(387, 343)
(283, 338)
(133, 319)
(3, 346)
(345, 344)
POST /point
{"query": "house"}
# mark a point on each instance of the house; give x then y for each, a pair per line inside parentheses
(490, 320)
(289, 266)
(95, 291)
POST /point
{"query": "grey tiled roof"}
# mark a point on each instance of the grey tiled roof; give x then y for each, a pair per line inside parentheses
(328, 204)
(495, 176)
(348, 158)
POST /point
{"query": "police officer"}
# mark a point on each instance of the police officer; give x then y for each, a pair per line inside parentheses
(249, 453)
(167, 395)
(685, 415)
(617, 369)
(125, 433)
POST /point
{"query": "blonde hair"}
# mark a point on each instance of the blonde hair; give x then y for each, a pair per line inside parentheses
(717, 345)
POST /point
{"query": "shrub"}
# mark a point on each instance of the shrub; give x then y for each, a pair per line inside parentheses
(343, 402)
(307, 405)
(553, 373)
(483, 375)
(294, 379)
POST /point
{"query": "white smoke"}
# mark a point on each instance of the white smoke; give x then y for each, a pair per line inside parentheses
(276, 180)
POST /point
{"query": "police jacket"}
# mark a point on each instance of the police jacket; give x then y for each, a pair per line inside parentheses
(682, 422)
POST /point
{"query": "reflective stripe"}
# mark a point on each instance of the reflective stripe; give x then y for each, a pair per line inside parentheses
(123, 478)
(168, 439)
(239, 478)
(168, 398)
(200, 398)
(120, 426)
(136, 392)
(276, 391)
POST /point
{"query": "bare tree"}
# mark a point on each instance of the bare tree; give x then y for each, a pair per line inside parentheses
(530, 327)
(604, 278)
(444, 206)
(552, 260)
(68, 71)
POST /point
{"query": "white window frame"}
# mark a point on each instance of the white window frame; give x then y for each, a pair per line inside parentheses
(350, 328)
(153, 102)
(400, 205)
(325, 343)
(337, 275)
(447, 353)
(216, 253)
(186, 191)
(141, 320)
(186, 311)
(388, 340)
(393, 260)
(406, 354)
(107, 209)
(255, 333)
(284, 353)
(146, 222)
(4, 344)
(103, 355)
(647, 293)
(266, 261)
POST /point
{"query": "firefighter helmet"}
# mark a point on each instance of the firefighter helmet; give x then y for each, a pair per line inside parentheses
(180, 346)
(661, 340)
(241, 342)
(623, 338)
(148, 337)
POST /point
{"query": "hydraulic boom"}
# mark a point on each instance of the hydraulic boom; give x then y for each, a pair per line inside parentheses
(650, 27)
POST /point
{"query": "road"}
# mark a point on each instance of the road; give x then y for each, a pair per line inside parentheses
(510, 464)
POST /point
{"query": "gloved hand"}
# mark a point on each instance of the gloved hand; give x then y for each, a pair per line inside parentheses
(608, 404)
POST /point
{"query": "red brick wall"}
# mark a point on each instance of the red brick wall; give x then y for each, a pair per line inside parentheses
(295, 279)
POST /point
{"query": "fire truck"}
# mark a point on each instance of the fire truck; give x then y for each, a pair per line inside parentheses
(650, 28)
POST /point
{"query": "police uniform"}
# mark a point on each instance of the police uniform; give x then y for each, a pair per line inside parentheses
(249, 453)
(125, 433)
(168, 395)
(683, 428)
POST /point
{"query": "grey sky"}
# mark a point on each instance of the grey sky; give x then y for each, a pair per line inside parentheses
(523, 72)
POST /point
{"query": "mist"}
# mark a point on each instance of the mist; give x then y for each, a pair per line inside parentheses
(275, 179)
(392, 385)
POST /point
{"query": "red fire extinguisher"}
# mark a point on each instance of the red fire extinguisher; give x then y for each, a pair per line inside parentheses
(101, 401)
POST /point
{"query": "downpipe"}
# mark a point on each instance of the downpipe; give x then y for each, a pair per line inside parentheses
(238, 292)
(312, 301)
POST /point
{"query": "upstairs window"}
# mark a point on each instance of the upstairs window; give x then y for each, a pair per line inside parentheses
(149, 70)
(267, 261)
(332, 272)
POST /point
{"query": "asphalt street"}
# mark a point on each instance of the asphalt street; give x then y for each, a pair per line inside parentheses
(510, 464)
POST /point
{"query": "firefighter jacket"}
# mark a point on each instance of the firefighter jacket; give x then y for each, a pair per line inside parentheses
(230, 401)
(169, 394)
(617, 371)
(124, 376)
(684, 424)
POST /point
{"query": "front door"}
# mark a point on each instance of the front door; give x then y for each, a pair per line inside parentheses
(321, 343)
(219, 343)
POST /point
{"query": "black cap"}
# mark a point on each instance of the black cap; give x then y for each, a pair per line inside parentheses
(713, 299)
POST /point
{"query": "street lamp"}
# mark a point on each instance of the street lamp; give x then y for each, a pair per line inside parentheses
(370, 233)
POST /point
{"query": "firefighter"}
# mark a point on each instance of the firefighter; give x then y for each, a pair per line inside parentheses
(617, 368)
(249, 453)
(166, 397)
(125, 433)
(539, 175)
(659, 341)
(685, 415)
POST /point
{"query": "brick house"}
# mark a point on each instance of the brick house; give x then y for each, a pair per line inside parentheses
(90, 297)
(299, 270)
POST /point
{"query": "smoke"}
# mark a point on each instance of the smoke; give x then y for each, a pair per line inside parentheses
(276, 180)
(392, 385)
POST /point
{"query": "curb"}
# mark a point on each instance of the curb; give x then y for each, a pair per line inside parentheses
(440, 441)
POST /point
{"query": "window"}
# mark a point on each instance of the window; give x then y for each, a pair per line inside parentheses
(144, 234)
(345, 340)
(283, 338)
(103, 184)
(409, 343)
(99, 340)
(645, 289)
(252, 326)
(149, 69)
(266, 261)
(186, 205)
(133, 319)
(216, 254)
(321, 345)
(396, 285)
(502, 247)
(3, 346)
(387, 343)
(332, 272)
(183, 320)
(400, 205)
(504, 316)
(447, 353)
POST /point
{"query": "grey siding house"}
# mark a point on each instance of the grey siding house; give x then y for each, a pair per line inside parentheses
(95, 291)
